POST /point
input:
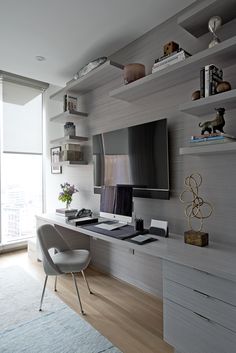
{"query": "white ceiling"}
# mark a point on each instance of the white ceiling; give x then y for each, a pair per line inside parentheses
(70, 33)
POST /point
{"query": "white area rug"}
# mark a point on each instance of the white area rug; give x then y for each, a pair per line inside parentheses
(57, 329)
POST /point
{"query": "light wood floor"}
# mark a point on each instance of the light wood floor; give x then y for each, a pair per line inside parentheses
(128, 317)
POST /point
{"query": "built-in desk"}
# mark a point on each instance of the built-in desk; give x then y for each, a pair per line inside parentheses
(199, 289)
(215, 259)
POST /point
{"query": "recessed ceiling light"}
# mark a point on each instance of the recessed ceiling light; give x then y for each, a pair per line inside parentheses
(40, 58)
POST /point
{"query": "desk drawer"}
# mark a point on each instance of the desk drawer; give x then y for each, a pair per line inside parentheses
(189, 332)
(214, 286)
(214, 309)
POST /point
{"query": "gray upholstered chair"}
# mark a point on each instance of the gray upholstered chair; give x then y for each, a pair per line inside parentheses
(63, 260)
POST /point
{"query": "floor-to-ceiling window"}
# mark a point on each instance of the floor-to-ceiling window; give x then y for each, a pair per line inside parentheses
(21, 160)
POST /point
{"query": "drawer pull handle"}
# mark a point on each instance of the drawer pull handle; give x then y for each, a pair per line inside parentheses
(202, 317)
(205, 273)
(205, 295)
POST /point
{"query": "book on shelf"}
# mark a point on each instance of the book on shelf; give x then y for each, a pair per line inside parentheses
(66, 212)
(71, 147)
(70, 103)
(210, 76)
(211, 139)
(170, 60)
(210, 142)
(214, 134)
(70, 155)
(202, 82)
(171, 55)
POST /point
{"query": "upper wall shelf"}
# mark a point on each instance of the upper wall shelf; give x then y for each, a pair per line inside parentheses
(195, 21)
(209, 149)
(69, 139)
(96, 78)
(70, 115)
(222, 54)
(206, 105)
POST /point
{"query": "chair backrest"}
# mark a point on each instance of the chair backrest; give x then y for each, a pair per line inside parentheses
(50, 238)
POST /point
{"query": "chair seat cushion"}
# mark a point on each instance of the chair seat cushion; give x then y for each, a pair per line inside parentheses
(71, 260)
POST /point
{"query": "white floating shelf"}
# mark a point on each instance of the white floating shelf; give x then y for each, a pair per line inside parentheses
(72, 163)
(209, 149)
(95, 78)
(70, 115)
(195, 20)
(223, 55)
(69, 139)
(206, 105)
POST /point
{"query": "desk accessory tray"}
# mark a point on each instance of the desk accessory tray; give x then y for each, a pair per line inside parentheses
(159, 228)
(159, 231)
(141, 241)
(120, 233)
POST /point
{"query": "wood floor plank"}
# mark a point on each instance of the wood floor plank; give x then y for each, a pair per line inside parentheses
(128, 317)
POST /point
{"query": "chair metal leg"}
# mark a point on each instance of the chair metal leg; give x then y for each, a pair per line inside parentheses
(44, 287)
(77, 291)
(83, 274)
(55, 284)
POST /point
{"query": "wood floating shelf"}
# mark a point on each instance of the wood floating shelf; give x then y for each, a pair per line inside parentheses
(209, 149)
(69, 139)
(206, 105)
(195, 20)
(70, 115)
(94, 79)
(223, 54)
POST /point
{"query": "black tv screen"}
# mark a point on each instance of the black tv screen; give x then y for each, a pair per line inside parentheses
(136, 156)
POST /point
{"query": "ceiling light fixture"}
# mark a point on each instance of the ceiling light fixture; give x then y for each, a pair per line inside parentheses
(40, 58)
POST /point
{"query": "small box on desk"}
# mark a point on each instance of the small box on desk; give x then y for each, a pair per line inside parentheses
(197, 238)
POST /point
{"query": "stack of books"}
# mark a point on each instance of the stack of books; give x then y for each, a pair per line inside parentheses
(210, 76)
(207, 139)
(71, 152)
(170, 59)
(70, 103)
(66, 213)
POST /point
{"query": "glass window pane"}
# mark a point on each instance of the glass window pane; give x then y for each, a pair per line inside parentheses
(21, 195)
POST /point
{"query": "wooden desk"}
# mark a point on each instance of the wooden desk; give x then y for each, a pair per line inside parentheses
(199, 289)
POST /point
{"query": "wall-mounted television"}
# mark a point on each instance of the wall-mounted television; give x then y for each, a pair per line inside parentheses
(136, 156)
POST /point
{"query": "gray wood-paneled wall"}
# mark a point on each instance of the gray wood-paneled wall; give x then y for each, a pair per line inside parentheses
(218, 171)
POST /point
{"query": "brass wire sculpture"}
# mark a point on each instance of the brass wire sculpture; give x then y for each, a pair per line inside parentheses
(194, 207)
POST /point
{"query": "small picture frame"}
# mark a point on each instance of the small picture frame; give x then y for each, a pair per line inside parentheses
(55, 158)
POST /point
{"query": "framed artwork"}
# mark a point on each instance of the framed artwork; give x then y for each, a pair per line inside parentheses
(55, 167)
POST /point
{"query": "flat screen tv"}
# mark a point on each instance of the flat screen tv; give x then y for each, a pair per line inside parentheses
(136, 156)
